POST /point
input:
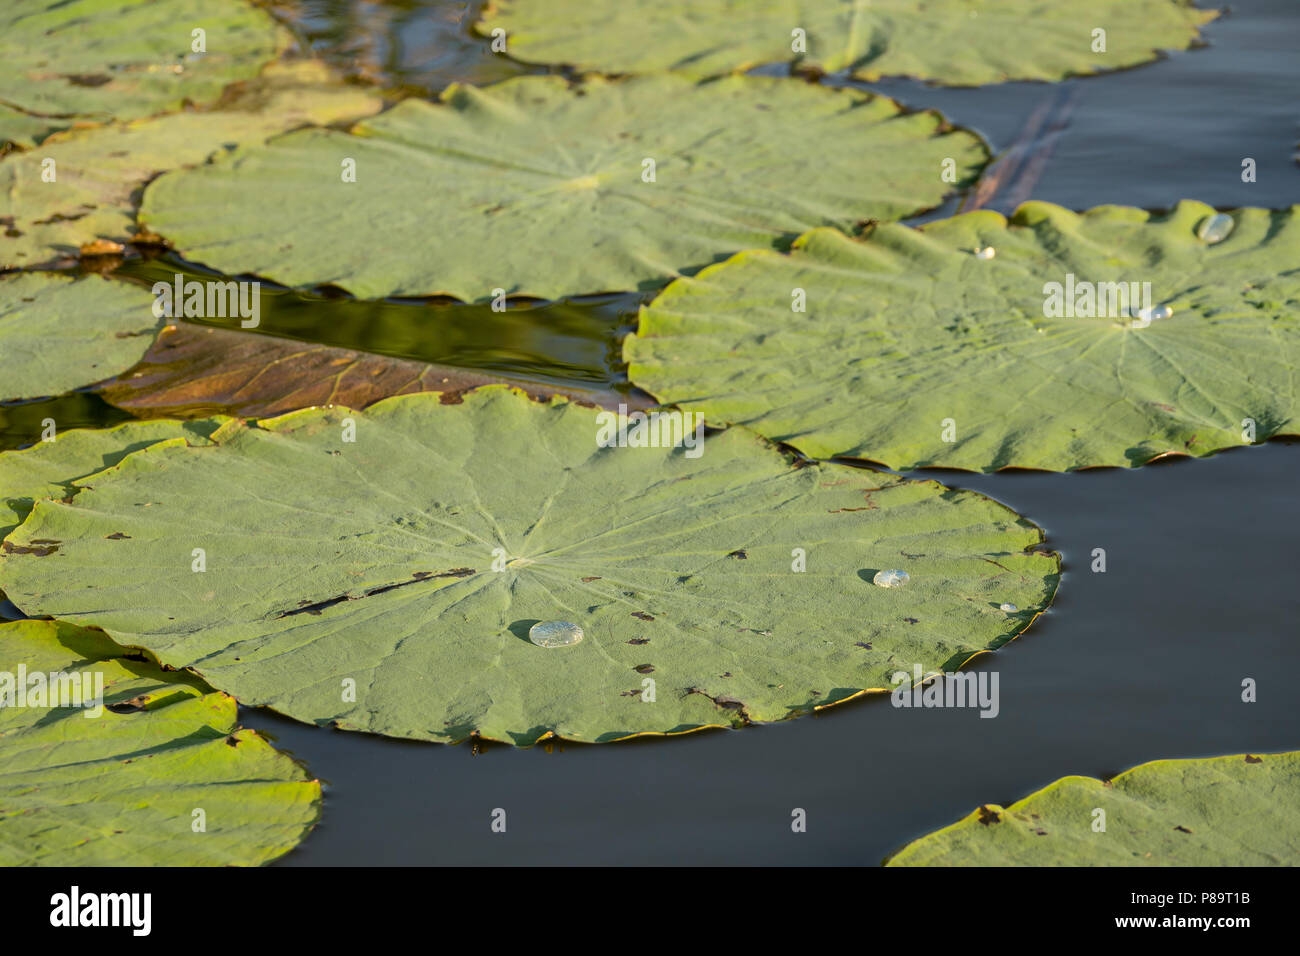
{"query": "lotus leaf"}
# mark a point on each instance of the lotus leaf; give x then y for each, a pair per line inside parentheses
(161, 775)
(58, 333)
(1217, 811)
(388, 583)
(538, 187)
(936, 346)
(957, 42)
(100, 172)
(123, 59)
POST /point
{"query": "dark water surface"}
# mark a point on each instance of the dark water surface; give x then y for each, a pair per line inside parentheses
(1141, 662)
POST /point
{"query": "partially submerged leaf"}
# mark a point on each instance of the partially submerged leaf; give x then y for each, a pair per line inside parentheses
(99, 172)
(389, 583)
(1218, 811)
(58, 333)
(947, 41)
(209, 369)
(122, 60)
(48, 469)
(124, 785)
(537, 187)
(915, 351)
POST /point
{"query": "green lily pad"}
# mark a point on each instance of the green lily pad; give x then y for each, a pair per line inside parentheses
(911, 339)
(48, 469)
(100, 172)
(1220, 811)
(24, 130)
(373, 562)
(120, 786)
(58, 334)
(536, 187)
(948, 41)
(107, 59)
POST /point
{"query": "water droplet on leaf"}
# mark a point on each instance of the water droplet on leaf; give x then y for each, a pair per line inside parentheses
(1215, 228)
(554, 634)
(893, 578)
(986, 252)
(1009, 608)
(1144, 317)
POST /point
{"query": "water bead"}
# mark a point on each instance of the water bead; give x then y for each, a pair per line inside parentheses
(893, 578)
(1144, 317)
(987, 252)
(554, 634)
(1009, 608)
(1215, 228)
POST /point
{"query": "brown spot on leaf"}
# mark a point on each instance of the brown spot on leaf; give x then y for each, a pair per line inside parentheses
(588, 580)
(117, 536)
(88, 79)
(988, 815)
(1183, 829)
(638, 641)
(1251, 758)
(60, 217)
(644, 668)
(642, 616)
(40, 548)
(722, 700)
(132, 706)
(739, 553)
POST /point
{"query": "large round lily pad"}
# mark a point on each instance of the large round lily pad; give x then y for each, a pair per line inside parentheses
(119, 786)
(58, 334)
(948, 41)
(48, 469)
(537, 187)
(369, 567)
(915, 351)
(100, 172)
(122, 59)
(1220, 811)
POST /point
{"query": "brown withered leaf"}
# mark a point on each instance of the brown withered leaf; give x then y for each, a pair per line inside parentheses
(102, 247)
(194, 370)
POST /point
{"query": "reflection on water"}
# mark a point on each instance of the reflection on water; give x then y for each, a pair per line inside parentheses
(22, 423)
(425, 44)
(566, 341)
